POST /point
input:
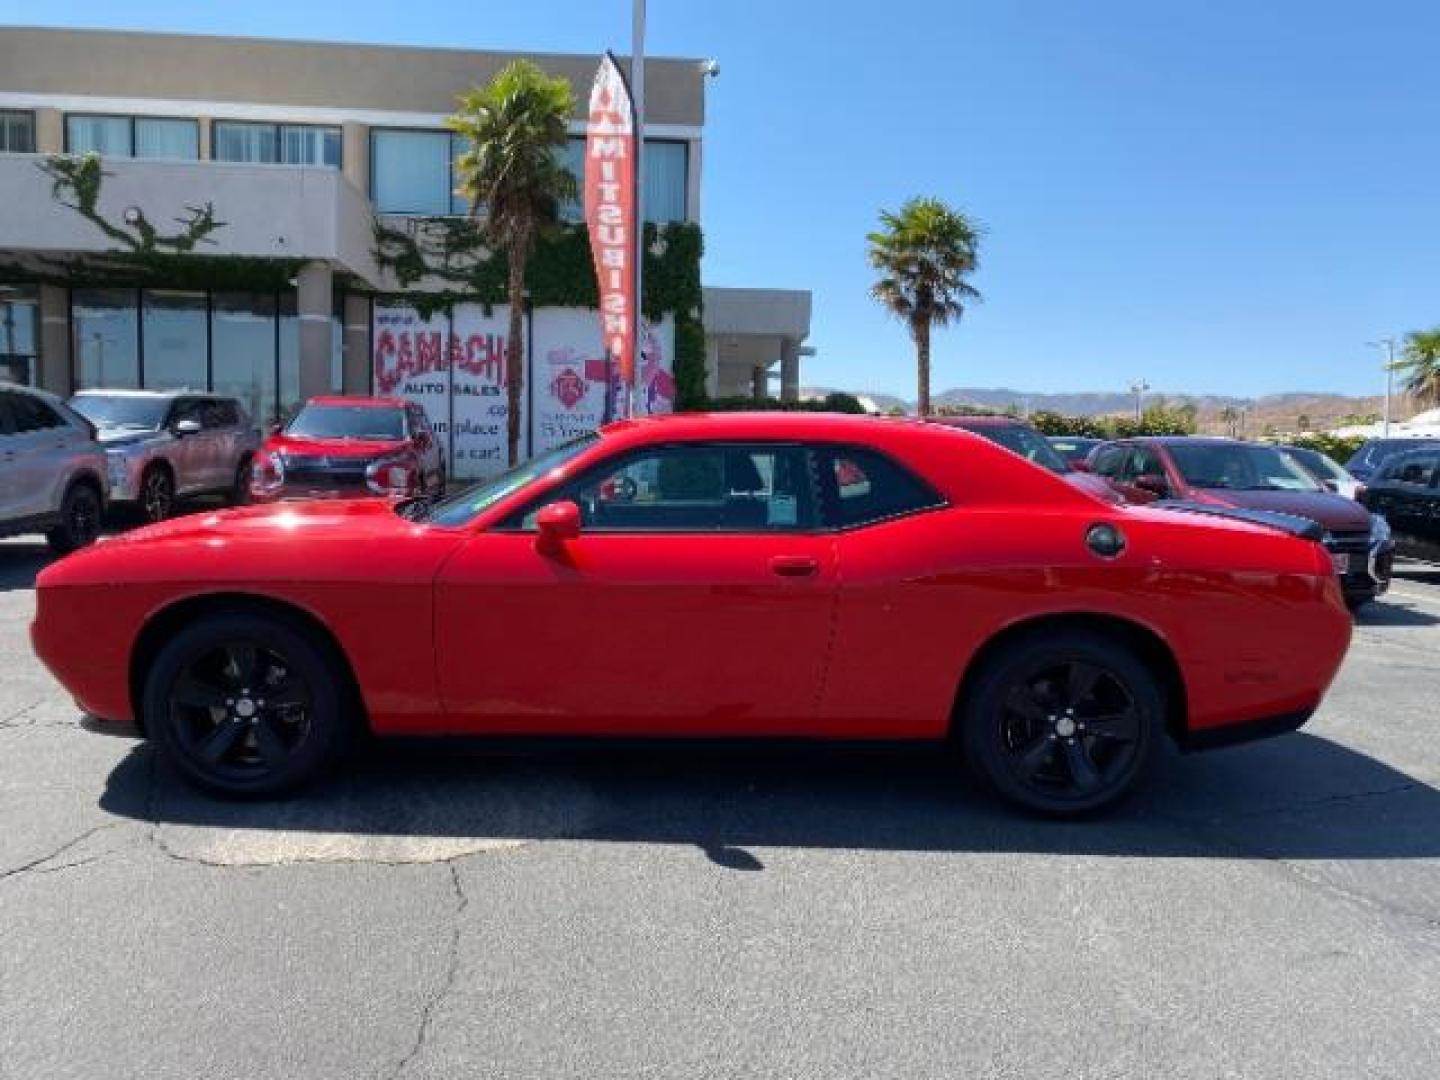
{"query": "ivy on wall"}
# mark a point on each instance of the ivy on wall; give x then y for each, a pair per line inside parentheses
(452, 261)
(143, 255)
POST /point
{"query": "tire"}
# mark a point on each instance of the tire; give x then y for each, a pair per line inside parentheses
(240, 490)
(291, 727)
(156, 497)
(80, 510)
(1062, 723)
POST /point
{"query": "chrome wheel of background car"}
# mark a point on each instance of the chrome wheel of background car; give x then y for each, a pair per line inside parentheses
(239, 710)
(157, 495)
(1070, 730)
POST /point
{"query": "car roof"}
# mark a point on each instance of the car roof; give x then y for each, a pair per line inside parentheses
(157, 395)
(358, 402)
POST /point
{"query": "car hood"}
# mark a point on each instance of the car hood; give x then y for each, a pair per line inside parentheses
(349, 517)
(333, 448)
(1335, 512)
(120, 437)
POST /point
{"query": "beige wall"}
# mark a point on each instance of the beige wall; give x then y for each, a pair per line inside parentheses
(249, 70)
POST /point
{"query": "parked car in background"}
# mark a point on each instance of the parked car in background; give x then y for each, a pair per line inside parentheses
(52, 470)
(1367, 459)
(1020, 438)
(866, 579)
(1332, 475)
(163, 445)
(1073, 448)
(351, 447)
(1253, 476)
(1406, 491)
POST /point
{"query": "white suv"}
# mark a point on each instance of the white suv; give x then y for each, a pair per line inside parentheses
(52, 469)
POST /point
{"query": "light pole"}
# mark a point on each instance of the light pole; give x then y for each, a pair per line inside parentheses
(1388, 344)
(1138, 389)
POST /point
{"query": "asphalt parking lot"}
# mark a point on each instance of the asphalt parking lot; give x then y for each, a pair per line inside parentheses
(1265, 911)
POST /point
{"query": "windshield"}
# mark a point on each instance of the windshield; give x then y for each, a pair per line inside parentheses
(462, 507)
(1318, 464)
(1240, 467)
(1377, 450)
(122, 411)
(348, 422)
(1030, 445)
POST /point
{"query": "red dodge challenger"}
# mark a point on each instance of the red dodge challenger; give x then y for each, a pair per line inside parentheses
(723, 576)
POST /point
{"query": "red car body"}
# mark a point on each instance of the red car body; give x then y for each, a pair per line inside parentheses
(406, 461)
(1020, 438)
(867, 632)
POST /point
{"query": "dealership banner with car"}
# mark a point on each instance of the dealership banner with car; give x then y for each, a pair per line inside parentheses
(453, 366)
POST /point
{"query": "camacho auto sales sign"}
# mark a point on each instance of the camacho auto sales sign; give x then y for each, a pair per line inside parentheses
(610, 211)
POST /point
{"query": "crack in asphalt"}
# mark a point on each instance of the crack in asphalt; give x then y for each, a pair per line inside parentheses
(452, 972)
(1299, 807)
(38, 865)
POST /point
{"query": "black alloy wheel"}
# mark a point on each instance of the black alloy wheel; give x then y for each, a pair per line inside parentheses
(157, 494)
(245, 705)
(79, 526)
(1063, 724)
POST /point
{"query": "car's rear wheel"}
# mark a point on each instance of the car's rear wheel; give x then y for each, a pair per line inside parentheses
(79, 519)
(246, 705)
(1062, 723)
(157, 494)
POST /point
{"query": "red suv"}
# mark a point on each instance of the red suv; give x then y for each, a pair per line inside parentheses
(351, 447)
(1252, 476)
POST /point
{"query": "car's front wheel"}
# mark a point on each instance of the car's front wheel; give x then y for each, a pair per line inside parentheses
(247, 705)
(79, 519)
(1062, 723)
(157, 494)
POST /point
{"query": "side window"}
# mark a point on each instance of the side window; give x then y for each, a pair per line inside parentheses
(187, 409)
(861, 486)
(1145, 462)
(31, 414)
(1416, 469)
(710, 488)
(1109, 461)
(222, 413)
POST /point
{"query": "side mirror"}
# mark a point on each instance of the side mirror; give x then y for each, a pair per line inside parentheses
(187, 427)
(1153, 483)
(556, 523)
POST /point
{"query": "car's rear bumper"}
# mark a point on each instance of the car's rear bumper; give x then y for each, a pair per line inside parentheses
(1213, 738)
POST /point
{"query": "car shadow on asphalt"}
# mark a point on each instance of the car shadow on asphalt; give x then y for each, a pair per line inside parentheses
(20, 562)
(1295, 797)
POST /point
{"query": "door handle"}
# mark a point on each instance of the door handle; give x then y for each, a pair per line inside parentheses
(795, 565)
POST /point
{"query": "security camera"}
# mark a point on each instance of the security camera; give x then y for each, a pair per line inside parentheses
(711, 68)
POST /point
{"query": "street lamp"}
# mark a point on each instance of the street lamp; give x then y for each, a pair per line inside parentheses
(1388, 344)
(1138, 389)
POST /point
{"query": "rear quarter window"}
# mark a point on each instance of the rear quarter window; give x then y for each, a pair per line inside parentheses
(861, 487)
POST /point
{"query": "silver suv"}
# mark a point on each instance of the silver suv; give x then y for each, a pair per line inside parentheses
(52, 470)
(165, 444)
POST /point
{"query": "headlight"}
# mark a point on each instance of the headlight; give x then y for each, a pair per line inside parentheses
(267, 474)
(396, 475)
(1379, 531)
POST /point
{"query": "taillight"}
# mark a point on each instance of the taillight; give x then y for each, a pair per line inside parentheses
(267, 475)
(396, 476)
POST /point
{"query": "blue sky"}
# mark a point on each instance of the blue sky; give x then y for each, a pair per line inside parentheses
(1219, 196)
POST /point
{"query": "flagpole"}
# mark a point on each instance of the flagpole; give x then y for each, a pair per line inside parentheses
(637, 89)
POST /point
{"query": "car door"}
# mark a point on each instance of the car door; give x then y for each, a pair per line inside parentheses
(37, 454)
(223, 426)
(696, 601)
(186, 453)
(9, 451)
(1407, 490)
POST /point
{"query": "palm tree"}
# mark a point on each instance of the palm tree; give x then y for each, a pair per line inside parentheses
(1420, 362)
(511, 172)
(1230, 417)
(924, 254)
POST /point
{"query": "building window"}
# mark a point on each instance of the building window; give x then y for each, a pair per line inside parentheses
(410, 171)
(19, 325)
(17, 132)
(175, 340)
(666, 164)
(243, 343)
(106, 325)
(153, 137)
(285, 144)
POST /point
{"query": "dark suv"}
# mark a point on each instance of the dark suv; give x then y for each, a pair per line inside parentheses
(1252, 476)
(1367, 459)
(1406, 491)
